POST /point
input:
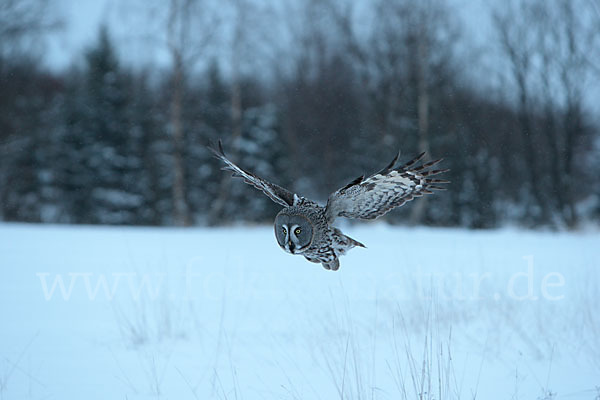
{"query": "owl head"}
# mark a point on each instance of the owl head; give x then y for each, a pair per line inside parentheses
(293, 230)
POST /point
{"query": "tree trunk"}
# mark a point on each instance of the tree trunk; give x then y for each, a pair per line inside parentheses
(216, 212)
(533, 173)
(181, 215)
(418, 210)
(573, 129)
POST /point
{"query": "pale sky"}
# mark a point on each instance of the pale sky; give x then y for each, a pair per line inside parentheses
(127, 25)
(82, 19)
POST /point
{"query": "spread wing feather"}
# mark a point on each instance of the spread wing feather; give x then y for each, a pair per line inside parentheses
(389, 188)
(274, 192)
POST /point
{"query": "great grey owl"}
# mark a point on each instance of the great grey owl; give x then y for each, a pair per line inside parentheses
(303, 227)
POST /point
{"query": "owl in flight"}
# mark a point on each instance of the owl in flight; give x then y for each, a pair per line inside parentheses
(303, 227)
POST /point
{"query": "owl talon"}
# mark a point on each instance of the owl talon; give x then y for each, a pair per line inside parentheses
(332, 265)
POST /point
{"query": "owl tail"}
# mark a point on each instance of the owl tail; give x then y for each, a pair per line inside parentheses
(346, 241)
(355, 243)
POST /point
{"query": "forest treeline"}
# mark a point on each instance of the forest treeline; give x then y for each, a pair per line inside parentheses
(104, 142)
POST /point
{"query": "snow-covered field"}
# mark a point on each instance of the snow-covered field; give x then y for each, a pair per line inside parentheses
(141, 313)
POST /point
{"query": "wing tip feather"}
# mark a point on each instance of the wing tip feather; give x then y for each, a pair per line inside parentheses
(390, 166)
(217, 149)
(433, 187)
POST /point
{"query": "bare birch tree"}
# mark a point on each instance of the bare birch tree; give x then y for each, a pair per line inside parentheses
(547, 45)
(190, 27)
(248, 28)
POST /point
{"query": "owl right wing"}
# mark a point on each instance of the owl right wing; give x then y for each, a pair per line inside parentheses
(389, 188)
(274, 192)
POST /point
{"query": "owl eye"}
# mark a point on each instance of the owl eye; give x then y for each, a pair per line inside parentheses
(297, 231)
(284, 230)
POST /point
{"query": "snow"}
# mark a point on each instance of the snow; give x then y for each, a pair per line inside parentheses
(148, 313)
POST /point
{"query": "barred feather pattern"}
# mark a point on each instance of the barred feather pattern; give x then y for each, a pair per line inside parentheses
(274, 192)
(328, 243)
(381, 192)
(362, 198)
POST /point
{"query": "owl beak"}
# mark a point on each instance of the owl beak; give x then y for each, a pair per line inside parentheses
(291, 246)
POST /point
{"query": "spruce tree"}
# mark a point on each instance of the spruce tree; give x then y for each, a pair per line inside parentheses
(100, 179)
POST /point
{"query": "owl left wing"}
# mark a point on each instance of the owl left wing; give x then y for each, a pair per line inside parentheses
(274, 192)
(389, 188)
